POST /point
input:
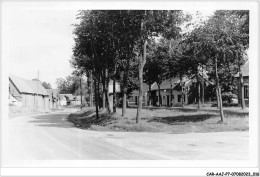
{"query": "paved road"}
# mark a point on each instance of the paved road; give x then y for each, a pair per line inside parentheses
(52, 137)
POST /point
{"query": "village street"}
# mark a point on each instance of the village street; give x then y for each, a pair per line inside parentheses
(51, 137)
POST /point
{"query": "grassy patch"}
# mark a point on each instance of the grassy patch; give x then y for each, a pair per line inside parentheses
(174, 120)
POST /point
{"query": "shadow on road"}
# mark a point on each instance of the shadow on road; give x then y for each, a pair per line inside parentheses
(52, 120)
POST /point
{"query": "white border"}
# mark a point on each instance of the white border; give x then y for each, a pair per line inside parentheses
(156, 168)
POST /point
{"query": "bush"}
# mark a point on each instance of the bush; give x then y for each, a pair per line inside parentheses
(228, 96)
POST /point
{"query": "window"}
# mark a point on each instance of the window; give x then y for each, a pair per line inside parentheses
(246, 92)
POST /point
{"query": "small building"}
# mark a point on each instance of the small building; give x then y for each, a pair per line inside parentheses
(168, 98)
(245, 73)
(65, 99)
(53, 98)
(30, 93)
(165, 93)
(77, 100)
(133, 99)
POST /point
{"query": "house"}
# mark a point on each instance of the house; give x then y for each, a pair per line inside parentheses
(133, 100)
(31, 94)
(53, 98)
(77, 100)
(245, 73)
(166, 88)
(165, 93)
(69, 99)
(65, 99)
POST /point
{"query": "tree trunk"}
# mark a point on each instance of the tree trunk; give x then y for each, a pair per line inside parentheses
(80, 93)
(91, 89)
(181, 84)
(140, 95)
(142, 61)
(199, 96)
(241, 80)
(103, 79)
(96, 99)
(159, 95)
(124, 104)
(125, 81)
(103, 97)
(171, 94)
(203, 90)
(98, 93)
(219, 92)
(150, 95)
(114, 96)
(217, 98)
(107, 92)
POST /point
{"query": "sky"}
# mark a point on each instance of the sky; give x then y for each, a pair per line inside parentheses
(43, 40)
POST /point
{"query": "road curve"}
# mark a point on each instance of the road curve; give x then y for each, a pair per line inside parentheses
(52, 137)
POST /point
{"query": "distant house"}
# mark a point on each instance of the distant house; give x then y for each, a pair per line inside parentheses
(165, 93)
(31, 94)
(133, 100)
(77, 100)
(65, 99)
(245, 73)
(53, 98)
(69, 99)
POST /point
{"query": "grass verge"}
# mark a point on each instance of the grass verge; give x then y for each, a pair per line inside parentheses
(174, 120)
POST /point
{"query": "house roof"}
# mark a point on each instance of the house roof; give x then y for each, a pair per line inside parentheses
(245, 69)
(28, 86)
(54, 92)
(167, 84)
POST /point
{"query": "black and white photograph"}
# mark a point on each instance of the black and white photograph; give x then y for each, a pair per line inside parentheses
(104, 86)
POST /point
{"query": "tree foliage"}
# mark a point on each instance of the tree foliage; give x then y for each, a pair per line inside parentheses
(122, 45)
(46, 85)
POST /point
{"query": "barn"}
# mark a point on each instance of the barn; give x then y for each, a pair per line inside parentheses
(31, 94)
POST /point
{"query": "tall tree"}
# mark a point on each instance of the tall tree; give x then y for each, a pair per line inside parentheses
(156, 67)
(221, 43)
(153, 23)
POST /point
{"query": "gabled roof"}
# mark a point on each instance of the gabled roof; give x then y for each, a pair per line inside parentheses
(245, 69)
(166, 84)
(28, 86)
